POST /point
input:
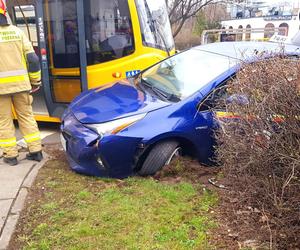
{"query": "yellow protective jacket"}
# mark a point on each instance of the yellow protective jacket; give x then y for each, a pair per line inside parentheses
(17, 69)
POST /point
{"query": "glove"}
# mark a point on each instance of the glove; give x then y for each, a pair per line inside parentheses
(34, 89)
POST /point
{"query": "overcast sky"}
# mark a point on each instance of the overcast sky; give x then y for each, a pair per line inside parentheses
(281, 1)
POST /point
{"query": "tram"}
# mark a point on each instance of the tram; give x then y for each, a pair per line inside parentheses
(83, 44)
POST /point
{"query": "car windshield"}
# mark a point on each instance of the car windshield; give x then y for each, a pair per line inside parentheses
(184, 74)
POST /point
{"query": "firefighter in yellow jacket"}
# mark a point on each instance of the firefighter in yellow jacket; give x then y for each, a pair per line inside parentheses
(20, 74)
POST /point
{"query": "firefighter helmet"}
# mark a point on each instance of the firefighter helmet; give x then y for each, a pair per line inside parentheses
(2, 8)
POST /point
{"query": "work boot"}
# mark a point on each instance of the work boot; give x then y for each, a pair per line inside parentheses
(38, 156)
(11, 161)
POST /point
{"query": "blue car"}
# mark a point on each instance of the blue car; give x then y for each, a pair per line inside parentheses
(136, 126)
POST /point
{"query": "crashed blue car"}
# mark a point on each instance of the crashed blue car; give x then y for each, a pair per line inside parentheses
(136, 126)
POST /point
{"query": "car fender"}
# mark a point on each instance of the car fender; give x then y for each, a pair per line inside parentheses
(183, 139)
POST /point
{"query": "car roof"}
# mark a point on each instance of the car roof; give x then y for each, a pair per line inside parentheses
(248, 50)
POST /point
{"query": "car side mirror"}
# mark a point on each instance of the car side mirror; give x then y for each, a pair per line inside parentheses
(238, 99)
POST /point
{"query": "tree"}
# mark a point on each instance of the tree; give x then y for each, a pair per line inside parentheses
(203, 22)
(181, 10)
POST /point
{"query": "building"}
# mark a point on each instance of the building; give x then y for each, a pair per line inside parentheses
(263, 19)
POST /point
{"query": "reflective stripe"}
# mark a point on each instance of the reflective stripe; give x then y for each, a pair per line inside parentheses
(35, 75)
(6, 143)
(13, 79)
(32, 137)
(13, 73)
(278, 118)
(226, 115)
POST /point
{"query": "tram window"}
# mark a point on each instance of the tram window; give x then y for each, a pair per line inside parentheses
(27, 26)
(155, 25)
(108, 30)
(61, 18)
(29, 13)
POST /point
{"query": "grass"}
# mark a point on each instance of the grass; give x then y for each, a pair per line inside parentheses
(69, 211)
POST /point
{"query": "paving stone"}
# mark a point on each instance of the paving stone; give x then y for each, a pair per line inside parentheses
(31, 177)
(19, 202)
(8, 231)
(14, 182)
(5, 206)
(11, 178)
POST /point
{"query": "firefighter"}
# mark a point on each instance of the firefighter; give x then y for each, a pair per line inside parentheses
(20, 75)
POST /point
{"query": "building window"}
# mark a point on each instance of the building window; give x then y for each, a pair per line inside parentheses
(248, 33)
(229, 36)
(283, 29)
(269, 30)
(239, 36)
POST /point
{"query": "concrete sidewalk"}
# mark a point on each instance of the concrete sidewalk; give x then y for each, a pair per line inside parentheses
(16, 181)
(14, 184)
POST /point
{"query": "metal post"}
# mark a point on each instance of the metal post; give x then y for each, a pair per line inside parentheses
(82, 44)
(43, 57)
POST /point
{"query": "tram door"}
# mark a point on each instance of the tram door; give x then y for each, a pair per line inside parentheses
(23, 16)
(61, 37)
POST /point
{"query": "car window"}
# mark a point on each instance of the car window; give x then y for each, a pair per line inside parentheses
(216, 99)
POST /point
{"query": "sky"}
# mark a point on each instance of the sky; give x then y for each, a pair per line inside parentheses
(295, 3)
(280, 1)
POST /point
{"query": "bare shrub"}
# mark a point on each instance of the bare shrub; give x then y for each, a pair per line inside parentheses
(259, 145)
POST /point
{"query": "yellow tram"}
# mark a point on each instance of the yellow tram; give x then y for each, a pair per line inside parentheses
(85, 43)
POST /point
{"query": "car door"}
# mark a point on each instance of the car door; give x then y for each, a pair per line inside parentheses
(206, 124)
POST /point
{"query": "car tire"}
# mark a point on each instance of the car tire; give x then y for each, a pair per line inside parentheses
(158, 157)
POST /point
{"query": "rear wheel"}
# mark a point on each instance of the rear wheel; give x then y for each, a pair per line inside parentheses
(161, 155)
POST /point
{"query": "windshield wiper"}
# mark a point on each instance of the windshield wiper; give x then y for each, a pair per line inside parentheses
(159, 92)
(154, 89)
(162, 38)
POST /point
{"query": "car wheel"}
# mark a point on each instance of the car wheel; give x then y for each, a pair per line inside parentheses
(161, 155)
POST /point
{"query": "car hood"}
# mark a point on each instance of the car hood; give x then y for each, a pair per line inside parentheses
(113, 101)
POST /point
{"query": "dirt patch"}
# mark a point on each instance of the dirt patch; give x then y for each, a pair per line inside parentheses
(240, 226)
(187, 169)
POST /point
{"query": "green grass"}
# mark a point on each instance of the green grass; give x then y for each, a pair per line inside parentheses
(77, 212)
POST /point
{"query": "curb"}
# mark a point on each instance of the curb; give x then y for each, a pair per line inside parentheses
(18, 204)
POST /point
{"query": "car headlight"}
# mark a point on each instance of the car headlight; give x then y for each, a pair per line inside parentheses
(113, 127)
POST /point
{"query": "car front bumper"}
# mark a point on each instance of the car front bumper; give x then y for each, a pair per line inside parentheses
(112, 156)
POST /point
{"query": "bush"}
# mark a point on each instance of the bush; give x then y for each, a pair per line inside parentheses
(260, 147)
